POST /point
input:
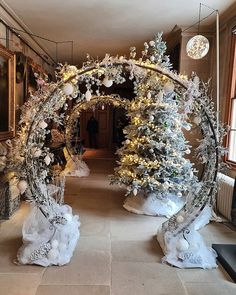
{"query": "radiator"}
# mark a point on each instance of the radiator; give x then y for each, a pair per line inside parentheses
(225, 195)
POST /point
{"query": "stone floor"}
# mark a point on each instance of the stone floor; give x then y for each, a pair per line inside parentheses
(117, 252)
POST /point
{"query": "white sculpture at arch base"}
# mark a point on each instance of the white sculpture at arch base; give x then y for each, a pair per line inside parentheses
(51, 231)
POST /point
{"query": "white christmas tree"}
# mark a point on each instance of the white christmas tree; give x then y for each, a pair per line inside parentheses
(152, 160)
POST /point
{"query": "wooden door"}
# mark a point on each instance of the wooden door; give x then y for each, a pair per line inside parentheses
(104, 117)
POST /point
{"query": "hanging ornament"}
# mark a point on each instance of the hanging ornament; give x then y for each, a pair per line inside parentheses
(135, 191)
(22, 186)
(182, 245)
(127, 141)
(103, 107)
(152, 58)
(42, 124)
(68, 89)
(169, 87)
(151, 118)
(187, 151)
(197, 47)
(88, 95)
(107, 82)
(47, 160)
(149, 95)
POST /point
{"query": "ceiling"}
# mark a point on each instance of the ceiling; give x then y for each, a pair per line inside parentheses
(100, 26)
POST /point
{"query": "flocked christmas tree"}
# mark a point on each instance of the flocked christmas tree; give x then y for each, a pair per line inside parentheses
(152, 160)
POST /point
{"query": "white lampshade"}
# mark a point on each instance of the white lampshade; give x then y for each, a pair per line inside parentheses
(197, 47)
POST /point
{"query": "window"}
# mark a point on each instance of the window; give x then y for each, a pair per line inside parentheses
(232, 110)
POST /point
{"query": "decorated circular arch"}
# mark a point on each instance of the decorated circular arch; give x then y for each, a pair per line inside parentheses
(56, 229)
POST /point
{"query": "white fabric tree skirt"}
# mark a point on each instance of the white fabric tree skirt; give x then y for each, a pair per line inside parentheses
(153, 206)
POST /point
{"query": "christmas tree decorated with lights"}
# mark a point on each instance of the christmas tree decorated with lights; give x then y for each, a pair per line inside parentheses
(152, 160)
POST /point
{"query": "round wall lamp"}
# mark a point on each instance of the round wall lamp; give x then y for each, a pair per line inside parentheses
(197, 47)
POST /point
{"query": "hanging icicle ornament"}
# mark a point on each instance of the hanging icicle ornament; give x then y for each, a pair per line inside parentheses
(149, 95)
(47, 160)
(68, 89)
(88, 95)
(103, 107)
(107, 82)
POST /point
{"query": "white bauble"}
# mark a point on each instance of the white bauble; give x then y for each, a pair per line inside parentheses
(42, 124)
(187, 151)
(135, 191)
(62, 247)
(54, 244)
(22, 186)
(179, 194)
(107, 82)
(53, 254)
(47, 160)
(197, 120)
(88, 95)
(149, 95)
(68, 217)
(182, 245)
(68, 89)
(180, 219)
(127, 141)
(151, 151)
(152, 58)
(151, 118)
(169, 87)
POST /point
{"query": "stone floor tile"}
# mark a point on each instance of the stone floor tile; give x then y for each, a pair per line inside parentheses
(86, 268)
(145, 279)
(19, 284)
(206, 288)
(72, 290)
(136, 251)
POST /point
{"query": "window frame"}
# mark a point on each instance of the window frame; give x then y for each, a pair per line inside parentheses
(231, 94)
